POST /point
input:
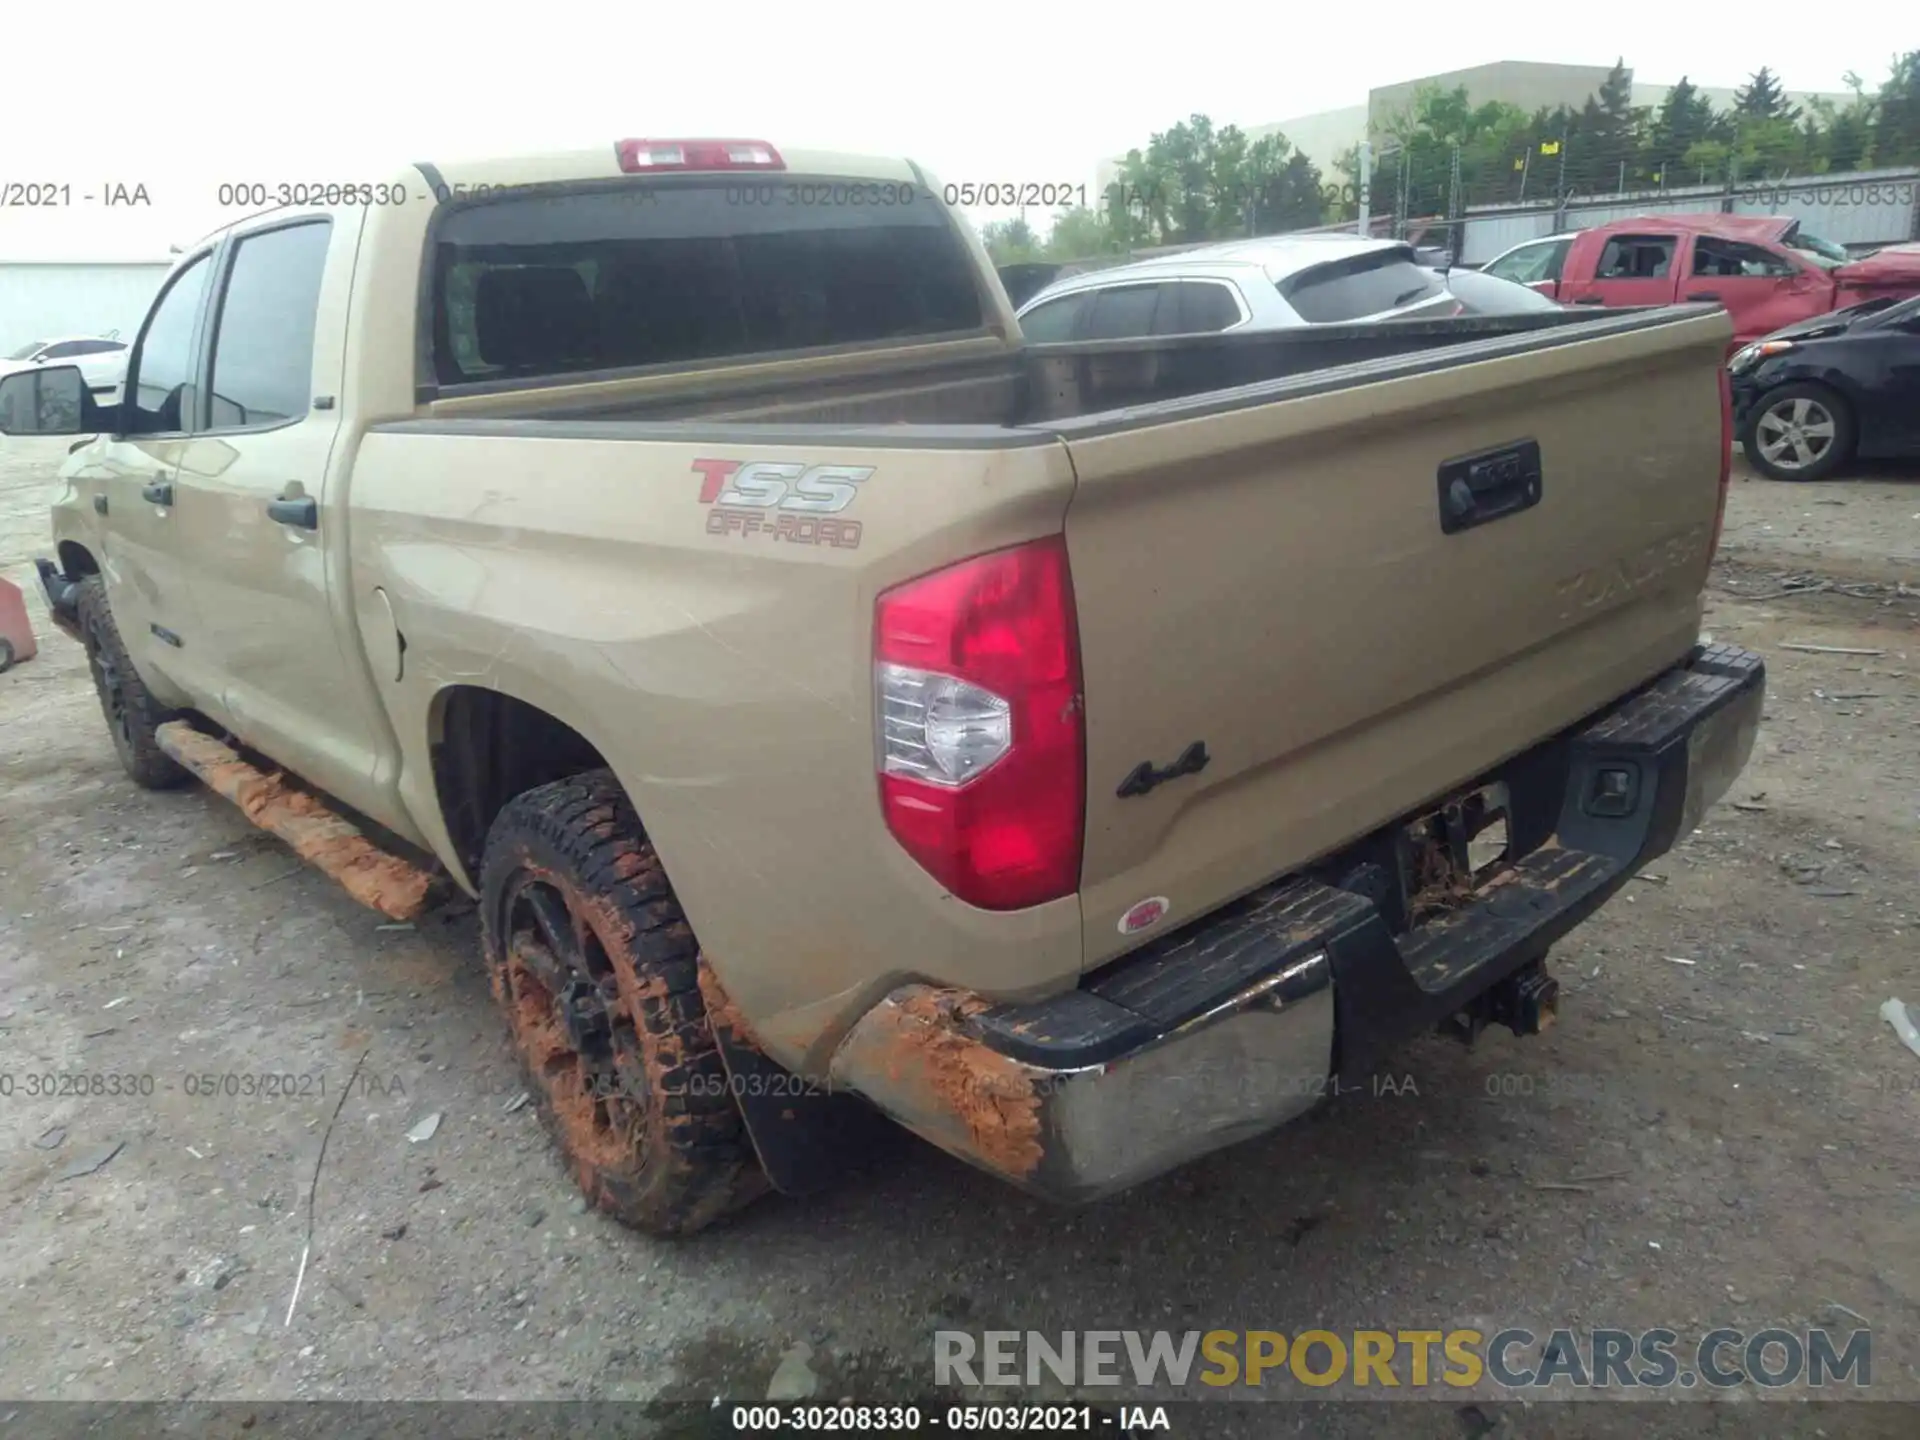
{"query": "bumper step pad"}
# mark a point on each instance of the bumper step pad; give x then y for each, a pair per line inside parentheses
(1390, 986)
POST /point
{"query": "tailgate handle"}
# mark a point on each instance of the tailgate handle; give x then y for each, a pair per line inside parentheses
(1490, 485)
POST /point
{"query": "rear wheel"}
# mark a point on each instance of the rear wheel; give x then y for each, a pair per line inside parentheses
(131, 712)
(1799, 432)
(596, 969)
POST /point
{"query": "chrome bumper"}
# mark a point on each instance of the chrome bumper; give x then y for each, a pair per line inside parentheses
(1245, 1018)
(1253, 1062)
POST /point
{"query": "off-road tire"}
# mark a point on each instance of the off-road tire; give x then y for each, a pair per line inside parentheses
(643, 1113)
(131, 712)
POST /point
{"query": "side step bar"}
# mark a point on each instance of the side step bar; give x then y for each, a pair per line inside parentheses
(381, 881)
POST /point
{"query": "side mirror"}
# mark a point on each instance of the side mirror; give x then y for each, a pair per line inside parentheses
(49, 401)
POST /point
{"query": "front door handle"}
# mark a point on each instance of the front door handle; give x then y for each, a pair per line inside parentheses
(302, 512)
(1704, 295)
(1590, 300)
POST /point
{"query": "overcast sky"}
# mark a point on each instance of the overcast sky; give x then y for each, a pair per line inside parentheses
(181, 100)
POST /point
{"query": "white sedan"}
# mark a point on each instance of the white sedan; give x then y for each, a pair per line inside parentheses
(102, 361)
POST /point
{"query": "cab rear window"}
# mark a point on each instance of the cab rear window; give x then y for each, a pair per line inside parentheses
(1360, 286)
(667, 273)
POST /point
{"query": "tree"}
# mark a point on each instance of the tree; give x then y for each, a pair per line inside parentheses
(1010, 242)
(1294, 199)
(1081, 234)
(1762, 98)
(1683, 120)
(1609, 131)
(1844, 135)
(1194, 183)
(1896, 122)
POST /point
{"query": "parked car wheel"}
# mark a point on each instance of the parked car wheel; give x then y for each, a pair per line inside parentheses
(131, 712)
(1799, 432)
(597, 971)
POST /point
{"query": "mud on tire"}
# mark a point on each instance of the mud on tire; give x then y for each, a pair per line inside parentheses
(132, 714)
(596, 968)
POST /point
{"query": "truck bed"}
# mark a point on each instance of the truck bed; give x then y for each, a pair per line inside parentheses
(988, 384)
(1262, 563)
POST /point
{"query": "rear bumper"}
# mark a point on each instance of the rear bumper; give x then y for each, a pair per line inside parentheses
(63, 596)
(1244, 1019)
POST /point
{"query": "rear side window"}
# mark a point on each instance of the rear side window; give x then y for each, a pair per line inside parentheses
(1712, 256)
(1363, 285)
(1055, 321)
(1123, 312)
(675, 273)
(1636, 257)
(1197, 307)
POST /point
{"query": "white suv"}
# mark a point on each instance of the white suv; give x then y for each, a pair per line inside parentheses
(102, 360)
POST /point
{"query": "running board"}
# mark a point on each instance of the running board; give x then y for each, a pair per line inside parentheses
(381, 881)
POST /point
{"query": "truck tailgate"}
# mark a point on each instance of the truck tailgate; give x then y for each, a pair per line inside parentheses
(1273, 581)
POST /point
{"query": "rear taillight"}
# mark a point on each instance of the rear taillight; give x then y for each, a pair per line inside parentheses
(1726, 459)
(981, 741)
(639, 157)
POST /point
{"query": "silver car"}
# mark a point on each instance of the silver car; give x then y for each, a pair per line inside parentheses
(1273, 283)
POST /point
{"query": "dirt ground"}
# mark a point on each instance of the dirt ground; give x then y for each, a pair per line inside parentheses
(1750, 1119)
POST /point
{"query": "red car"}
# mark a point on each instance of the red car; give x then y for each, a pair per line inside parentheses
(1766, 270)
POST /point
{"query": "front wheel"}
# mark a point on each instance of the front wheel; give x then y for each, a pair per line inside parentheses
(597, 970)
(131, 712)
(1799, 432)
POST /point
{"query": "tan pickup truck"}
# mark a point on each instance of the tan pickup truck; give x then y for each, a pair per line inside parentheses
(1086, 756)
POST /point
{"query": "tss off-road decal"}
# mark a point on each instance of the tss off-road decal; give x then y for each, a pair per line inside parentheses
(782, 500)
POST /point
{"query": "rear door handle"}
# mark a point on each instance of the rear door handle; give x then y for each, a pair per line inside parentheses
(1704, 295)
(1590, 300)
(160, 491)
(302, 513)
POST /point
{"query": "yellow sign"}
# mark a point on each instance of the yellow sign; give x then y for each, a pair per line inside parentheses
(1373, 1355)
(1549, 147)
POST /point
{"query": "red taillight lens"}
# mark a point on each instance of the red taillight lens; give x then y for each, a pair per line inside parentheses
(640, 157)
(982, 750)
(1726, 459)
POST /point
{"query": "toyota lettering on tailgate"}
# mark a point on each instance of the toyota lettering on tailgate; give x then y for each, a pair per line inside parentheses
(781, 500)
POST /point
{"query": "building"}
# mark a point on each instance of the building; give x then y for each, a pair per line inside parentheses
(1325, 136)
(43, 299)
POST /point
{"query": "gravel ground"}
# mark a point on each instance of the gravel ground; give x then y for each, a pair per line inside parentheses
(1751, 1118)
